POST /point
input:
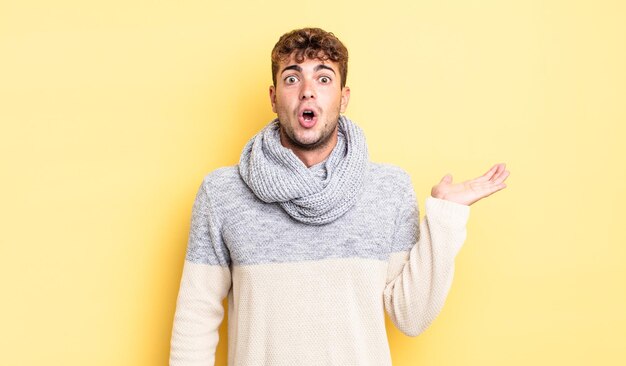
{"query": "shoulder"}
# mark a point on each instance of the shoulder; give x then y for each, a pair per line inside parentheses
(226, 190)
(226, 175)
(224, 182)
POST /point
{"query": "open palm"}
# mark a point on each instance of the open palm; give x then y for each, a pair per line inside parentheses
(472, 190)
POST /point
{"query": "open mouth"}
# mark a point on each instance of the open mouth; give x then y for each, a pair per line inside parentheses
(308, 115)
(307, 118)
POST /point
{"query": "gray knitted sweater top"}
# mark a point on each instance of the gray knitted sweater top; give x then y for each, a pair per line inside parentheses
(303, 294)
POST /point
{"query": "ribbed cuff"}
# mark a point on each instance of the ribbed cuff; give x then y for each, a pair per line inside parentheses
(450, 213)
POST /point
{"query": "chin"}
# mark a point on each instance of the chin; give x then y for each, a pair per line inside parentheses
(302, 141)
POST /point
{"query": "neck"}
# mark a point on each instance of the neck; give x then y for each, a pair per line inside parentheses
(312, 156)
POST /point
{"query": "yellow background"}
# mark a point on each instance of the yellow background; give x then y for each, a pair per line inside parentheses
(112, 112)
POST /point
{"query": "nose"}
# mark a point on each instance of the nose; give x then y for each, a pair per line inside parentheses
(307, 91)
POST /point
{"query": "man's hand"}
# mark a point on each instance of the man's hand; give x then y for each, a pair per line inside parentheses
(473, 190)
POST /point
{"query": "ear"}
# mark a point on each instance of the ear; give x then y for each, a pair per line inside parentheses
(345, 98)
(273, 97)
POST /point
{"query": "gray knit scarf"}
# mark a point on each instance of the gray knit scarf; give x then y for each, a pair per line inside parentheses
(275, 174)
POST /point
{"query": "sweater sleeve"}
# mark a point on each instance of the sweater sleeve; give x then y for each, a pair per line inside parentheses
(205, 282)
(421, 265)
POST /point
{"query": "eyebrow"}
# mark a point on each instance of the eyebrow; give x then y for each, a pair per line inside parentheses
(317, 68)
(322, 66)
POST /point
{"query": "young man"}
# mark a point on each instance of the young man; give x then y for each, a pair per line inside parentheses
(311, 241)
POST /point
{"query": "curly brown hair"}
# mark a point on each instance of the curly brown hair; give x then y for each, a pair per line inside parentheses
(310, 43)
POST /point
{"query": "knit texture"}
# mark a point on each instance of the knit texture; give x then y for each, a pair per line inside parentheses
(275, 174)
(310, 259)
(301, 294)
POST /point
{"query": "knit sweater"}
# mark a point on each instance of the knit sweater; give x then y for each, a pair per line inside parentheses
(301, 294)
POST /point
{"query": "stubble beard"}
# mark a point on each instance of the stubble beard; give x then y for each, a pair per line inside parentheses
(322, 142)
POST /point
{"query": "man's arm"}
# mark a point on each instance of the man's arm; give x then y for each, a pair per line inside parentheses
(419, 279)
(206, 281)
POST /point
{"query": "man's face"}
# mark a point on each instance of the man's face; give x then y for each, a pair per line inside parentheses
(308, 98)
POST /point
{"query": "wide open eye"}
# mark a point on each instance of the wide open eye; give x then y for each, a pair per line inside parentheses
(291, 79)
(324, 80)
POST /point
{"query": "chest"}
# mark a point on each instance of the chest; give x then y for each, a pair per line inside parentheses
(262, 233)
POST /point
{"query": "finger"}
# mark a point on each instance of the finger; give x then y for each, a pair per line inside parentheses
(485, 177)
(499, 172)
(488, 185)
(491, 171)
(489, 189)
(502, 177)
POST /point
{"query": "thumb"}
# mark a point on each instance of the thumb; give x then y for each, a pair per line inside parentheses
(447, 178)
